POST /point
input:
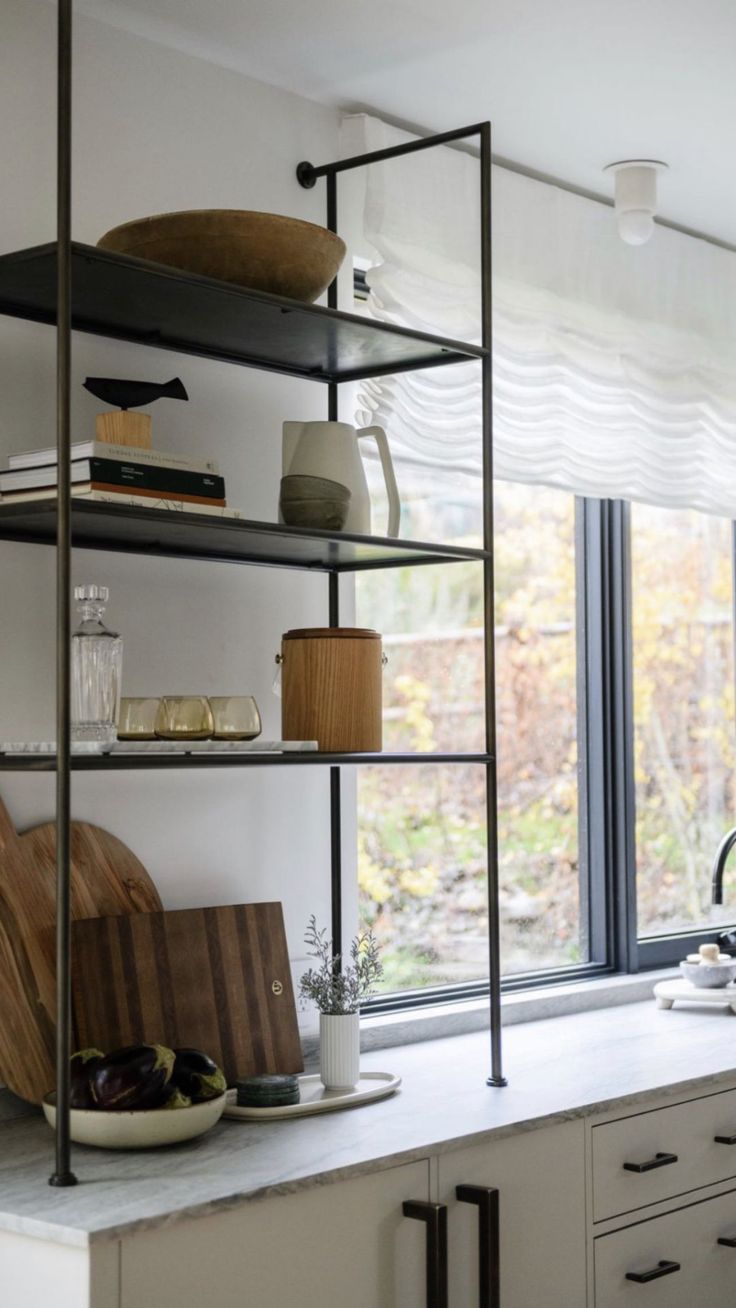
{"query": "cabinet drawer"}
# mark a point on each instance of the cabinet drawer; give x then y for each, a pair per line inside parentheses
(684, 1132)
(688, 1237)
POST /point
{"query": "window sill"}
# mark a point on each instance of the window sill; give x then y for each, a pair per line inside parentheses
(387, 1030)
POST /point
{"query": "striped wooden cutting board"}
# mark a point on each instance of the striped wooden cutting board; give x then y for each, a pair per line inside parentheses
(216, 979)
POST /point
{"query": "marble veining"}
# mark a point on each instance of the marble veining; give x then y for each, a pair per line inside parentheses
(558, 1068)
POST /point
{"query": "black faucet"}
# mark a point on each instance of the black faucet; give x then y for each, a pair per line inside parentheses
(724, 849)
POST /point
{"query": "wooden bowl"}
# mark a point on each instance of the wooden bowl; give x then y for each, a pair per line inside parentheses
(263, 251)
(141, 1129)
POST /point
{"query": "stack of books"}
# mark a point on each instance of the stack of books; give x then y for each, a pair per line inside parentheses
(120, 474)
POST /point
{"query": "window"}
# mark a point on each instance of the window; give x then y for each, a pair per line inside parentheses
(422, 844)
(537, 729)
(616, 744)
(683, 665)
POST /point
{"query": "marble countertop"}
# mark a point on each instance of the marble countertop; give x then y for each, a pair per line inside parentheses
(557, 1068)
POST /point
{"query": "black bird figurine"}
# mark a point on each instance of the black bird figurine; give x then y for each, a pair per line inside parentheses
(131, 394)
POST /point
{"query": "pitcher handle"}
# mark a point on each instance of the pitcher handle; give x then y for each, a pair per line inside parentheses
(392, 490)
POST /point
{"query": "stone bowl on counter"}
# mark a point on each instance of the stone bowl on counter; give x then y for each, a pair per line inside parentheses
(260, 251)
(140, 1128)
(709, 976)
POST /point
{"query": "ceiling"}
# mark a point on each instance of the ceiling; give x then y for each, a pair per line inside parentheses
(570, 85)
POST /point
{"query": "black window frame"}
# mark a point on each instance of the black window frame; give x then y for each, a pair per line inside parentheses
(668, 948)
(606, 790)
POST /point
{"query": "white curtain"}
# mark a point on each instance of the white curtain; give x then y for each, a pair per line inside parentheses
(614, 366)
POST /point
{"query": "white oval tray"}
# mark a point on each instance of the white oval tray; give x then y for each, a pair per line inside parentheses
(315, 1099)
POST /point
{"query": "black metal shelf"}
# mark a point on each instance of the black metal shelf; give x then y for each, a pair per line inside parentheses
(160, 763)
(174, 534)
(133, 300)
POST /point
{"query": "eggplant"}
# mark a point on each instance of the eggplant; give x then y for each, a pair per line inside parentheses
(132, 1078)
(197, 1075)
(82, 1065)
(175, 1098)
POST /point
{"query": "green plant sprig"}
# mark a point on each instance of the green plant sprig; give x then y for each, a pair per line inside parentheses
(338, 990)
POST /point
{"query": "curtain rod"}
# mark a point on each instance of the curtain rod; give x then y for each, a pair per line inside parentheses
(511, 166)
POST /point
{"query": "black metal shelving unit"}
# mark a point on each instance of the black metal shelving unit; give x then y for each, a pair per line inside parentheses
(132, 300)
(127, 762)
(78, 287)
(174, 534)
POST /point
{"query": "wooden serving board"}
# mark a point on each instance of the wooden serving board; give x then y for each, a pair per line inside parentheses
(216, 979)
(106, 878)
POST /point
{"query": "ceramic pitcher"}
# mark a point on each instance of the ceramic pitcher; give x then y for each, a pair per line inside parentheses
(332, 450)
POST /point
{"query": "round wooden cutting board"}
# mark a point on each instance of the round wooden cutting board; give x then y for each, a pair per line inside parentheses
(106, 880)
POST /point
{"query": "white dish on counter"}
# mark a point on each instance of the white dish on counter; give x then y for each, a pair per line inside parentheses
(315, 1099)
(145, 1129)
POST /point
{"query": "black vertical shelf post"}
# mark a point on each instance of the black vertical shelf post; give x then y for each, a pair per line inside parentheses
(307, 175)
(335, 804)
(494, 945)
(333, 409)
(63, 1175)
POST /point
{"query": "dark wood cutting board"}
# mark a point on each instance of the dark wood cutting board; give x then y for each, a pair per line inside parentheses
(106, 878)
(216, 979)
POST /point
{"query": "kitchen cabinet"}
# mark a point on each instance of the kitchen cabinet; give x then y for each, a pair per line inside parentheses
(540, 1179)
(670, 1261)
(654, 1155)
(34, 1272)
(342, 1244)
(663, 1203)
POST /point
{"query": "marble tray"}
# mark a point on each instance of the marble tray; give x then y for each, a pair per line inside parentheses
(315, 1099)
(256, 746)
(165, 747)
(667, 993)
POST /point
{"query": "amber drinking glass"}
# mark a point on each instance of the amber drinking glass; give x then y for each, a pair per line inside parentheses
(184, 717)
(235, 717)
(137, 719)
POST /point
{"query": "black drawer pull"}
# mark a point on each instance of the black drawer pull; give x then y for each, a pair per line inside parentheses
(434, 1217)
(659, 1160)
(728, 1240)
(663, 1268)
(725, 1139)
(489, 1261)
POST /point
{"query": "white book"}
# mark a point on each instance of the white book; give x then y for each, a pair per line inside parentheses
(129, 501)
(125, 453)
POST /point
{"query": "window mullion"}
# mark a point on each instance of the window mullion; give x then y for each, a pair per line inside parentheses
(606, 731)
(621, 799)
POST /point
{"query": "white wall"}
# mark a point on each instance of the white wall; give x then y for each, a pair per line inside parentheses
(155, 129)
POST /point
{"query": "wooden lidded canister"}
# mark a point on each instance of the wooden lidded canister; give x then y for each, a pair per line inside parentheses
(332, 688)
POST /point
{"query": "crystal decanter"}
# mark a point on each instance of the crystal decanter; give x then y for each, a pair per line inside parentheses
(97, 662)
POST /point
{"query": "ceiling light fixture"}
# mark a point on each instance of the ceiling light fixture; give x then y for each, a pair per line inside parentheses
(635, 197)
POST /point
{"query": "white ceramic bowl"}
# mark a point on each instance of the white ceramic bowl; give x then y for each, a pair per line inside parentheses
(709, 976)
(145, 1129)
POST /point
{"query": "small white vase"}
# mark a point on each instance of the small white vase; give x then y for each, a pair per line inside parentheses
(339, 1050)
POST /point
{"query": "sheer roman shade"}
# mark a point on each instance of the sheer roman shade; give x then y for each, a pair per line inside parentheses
(614, 366)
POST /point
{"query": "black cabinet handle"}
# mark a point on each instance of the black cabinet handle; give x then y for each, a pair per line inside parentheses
(725, 1139)
(728, 1240)
(489, 1254)
(659, 1160)
(435, 1218)
(663, 1268)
